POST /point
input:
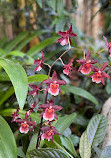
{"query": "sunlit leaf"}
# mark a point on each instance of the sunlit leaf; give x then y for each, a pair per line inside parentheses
(96, 129)
(85, 147)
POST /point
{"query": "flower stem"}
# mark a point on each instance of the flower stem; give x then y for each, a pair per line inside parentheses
(57, 60)
(39, 138)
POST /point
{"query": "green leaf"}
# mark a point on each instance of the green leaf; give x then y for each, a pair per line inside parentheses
(68, 144)
(51, 144)
(8, 148)
(39, 2)
(37, 78)
(52, 4)
(60, 7)
(106, 153)
(7, 95)
(15, 41)
(64, 122)
(20, 153)
(84, 147)
(4, 77)
(17, 53)
(81, 92)
(96, 129)
(35, 49)
(29, 38)
(8, 112)
(18, 78)
(33, 142)
(46, 153)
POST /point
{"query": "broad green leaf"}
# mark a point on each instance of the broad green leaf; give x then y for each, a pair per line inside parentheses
(68, 144)
(20, 153)
(7, 95)
(33, 142)
(17, 53)
(15, 41)
(96, 129)
(47, 153)
(81, 92)
(8, 112)
(35, 49)
(84, 147)
(106, 153)
(8, 148)
(2, 53)
(29, 38)
(37, 78)
(18, 78)
(64, 122)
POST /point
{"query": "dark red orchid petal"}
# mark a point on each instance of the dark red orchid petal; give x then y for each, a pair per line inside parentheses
(70, 29)
(48, 81)
(54, 76)
(105, 75)
(45, 128)
(44, 106)
(95, 69)
(32, 92)
(33, 86)
(71, 61)
(81, 61)
(72, 35)
(88, 55)
(60, 39)
(103, 66)
(93, 61)
(55, 115)
(80, 68)
(102, 80)
(37, 61)
(61, 82)
(106, 42)
(20, 121)
(110, 50)
(90, 75)
(57, 108)
(63, 34)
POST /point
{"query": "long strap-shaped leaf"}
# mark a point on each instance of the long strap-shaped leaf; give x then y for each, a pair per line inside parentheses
(18, 78)
(8, 147)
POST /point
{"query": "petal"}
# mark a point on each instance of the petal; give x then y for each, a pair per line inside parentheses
(33, 86)
(72, 35)
(54, 76)
(61, 82)
(95, 69)
(103, 66)
(57, 108)
(63, 34)
(93, 61)
(105, 75)
(70, 29)
(53, 92)
(88, 55)
(60, 39)
(81, 61)
(47, 81)
(48, 114)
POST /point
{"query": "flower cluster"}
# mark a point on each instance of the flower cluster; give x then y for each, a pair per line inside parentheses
(25, 124)
(52, 88)
(87, 66)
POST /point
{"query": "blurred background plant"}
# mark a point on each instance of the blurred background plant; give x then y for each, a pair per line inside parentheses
(28, 26)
